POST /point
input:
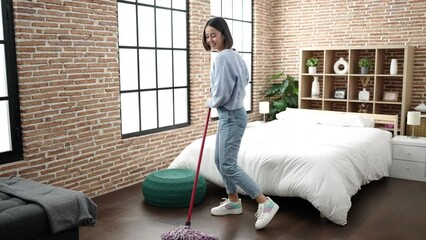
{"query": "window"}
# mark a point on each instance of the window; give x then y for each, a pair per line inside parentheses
(153, 65)
(238, 15)
(10, 123)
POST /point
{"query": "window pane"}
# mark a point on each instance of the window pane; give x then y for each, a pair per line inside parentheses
(5, 141)
(164, 68)
(3, 78)
(126, 24)
(179, 4)
(247, 37)
(247, 99)
(146, 26)
(180, 68)
(150, 2)
(128, 69)
(227, 9)
(1, 22)
(229, 22)
(247, 60)
(215, 7)
(213, 56)
(237, 9)
(164, 3)
(147, 68)
(238, 35)
(165, 108)
(129, 113)
(181, 106)
(247, 6)
(179, 29)
(149, 110)
(164, 28)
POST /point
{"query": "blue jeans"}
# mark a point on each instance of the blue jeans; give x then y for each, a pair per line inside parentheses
(231, 127)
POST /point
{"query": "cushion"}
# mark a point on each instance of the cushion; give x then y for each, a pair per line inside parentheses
(299, 116)
(172, 188)
(346, 120)
(308, 116)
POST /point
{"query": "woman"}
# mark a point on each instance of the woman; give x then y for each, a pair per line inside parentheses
(229, 77)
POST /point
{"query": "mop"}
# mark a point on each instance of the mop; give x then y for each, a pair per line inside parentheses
(185, 232)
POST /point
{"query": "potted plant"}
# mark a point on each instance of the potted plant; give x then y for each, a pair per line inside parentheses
(364, 64)
(312, 63)
(283, 94)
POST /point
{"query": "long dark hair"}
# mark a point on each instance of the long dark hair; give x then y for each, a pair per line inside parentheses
(219, 24)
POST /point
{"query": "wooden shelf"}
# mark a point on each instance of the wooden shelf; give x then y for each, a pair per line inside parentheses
(381, 80)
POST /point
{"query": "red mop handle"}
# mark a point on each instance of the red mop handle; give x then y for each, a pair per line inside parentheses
(194, 188)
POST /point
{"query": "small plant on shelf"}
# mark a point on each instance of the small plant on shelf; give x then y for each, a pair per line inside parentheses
(364, 64)
(282, 95)
(312, 62)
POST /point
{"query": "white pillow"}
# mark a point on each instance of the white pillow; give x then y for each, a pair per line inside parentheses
(296, 115)
(308, 116)
(346, 120)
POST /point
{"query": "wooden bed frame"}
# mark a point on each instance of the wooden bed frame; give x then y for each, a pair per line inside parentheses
(378, 119)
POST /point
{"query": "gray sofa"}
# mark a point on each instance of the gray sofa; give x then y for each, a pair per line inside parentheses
(31, 210)
(21, 220)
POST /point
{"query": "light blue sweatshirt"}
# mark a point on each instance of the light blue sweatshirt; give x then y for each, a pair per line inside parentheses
(228, 78)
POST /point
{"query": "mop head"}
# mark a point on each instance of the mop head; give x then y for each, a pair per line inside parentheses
(186, 233)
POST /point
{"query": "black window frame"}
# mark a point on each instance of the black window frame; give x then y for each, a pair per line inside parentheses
(16, 153)
(157, 89)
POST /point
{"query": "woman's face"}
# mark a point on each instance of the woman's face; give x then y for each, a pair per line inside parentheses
(214, 38)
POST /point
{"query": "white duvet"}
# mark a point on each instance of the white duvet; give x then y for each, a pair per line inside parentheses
(325, 165)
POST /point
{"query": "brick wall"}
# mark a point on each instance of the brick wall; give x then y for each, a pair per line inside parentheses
(262, 53)
(69, 80)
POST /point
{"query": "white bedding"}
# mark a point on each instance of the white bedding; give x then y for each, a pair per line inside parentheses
(323, 164)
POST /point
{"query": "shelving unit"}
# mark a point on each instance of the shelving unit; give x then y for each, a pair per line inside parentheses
(381, 80)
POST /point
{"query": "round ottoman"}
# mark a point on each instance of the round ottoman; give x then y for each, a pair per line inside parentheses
(172, 188)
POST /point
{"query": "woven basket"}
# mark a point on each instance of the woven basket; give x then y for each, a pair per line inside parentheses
(419, 131)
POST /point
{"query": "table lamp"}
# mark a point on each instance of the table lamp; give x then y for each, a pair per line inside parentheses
(264, 109)
(413, 119)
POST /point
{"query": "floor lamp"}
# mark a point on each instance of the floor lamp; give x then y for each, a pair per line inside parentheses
(413, 119)
(264, 109)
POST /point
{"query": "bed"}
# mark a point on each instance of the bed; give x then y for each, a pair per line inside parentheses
(321, 156)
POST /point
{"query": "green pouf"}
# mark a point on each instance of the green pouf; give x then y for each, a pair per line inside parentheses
(172, 188)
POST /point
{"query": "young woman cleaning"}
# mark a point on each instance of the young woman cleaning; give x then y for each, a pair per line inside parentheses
(229, 77)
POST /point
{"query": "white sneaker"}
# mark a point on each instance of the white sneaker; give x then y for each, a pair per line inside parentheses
(227, 207)
(265, 213)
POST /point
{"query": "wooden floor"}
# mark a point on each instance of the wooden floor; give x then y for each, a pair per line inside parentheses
(386, 209)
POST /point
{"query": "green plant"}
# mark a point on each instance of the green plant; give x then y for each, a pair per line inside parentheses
(312, 62)
(364, 62)
(283, 94)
